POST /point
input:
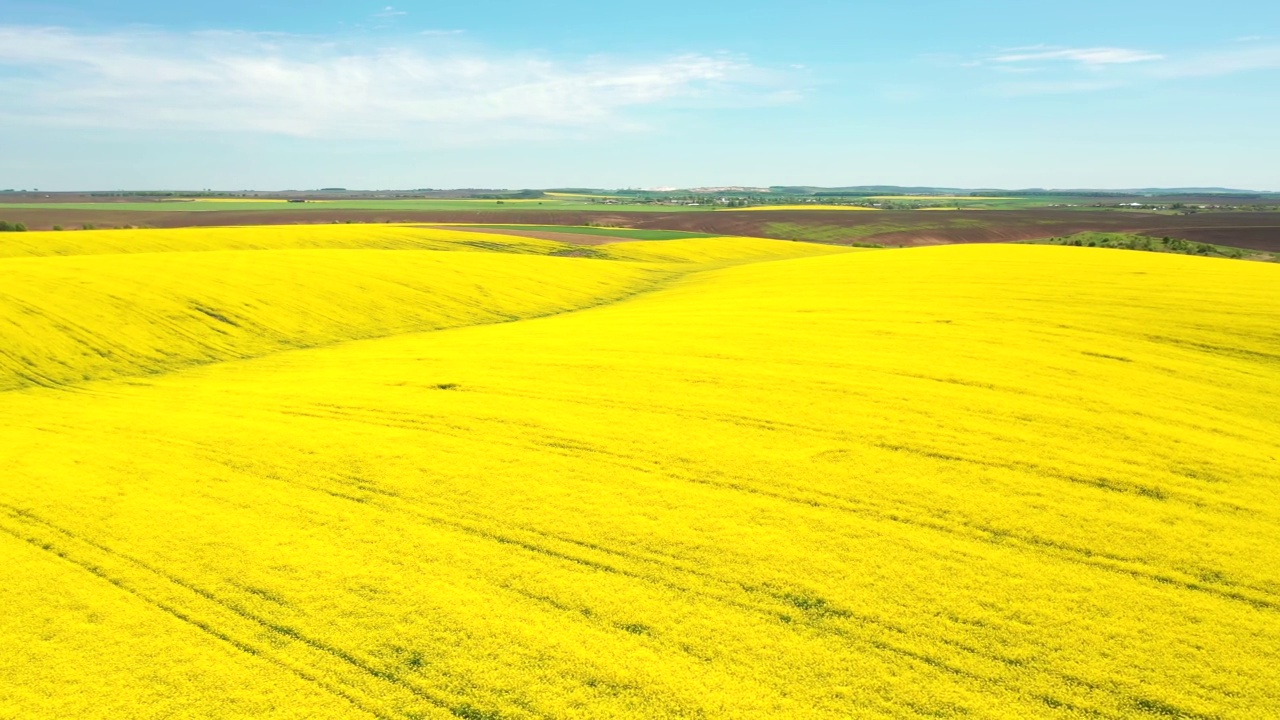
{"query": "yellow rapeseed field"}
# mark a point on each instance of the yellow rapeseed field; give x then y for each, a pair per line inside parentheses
(276, 237)
(692, 479)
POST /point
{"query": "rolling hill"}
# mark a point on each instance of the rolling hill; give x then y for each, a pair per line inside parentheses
(412, 473)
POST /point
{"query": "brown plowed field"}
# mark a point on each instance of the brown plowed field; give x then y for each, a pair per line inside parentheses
(1260, 237)
(1252, 230)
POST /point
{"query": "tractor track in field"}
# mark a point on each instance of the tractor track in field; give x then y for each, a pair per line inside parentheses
(203, 610)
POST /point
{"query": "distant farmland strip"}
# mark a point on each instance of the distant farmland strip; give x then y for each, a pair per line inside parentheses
(1250, 230)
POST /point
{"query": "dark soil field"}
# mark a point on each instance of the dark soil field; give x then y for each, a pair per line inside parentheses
(1251, 230)
(1258, 237)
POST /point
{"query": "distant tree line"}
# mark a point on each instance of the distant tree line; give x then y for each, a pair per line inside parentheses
(1129, 241)
(12, 227)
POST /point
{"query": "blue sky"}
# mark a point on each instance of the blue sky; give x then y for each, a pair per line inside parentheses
(237, 94)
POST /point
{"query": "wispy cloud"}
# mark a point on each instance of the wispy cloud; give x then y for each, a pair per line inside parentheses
(389, 16)
(319, 87)
(1092, 57)
(1043, 69)
(1053, 70)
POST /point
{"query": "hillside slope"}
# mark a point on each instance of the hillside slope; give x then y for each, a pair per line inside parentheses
(997, 481)
(119, 303)
(89, 317)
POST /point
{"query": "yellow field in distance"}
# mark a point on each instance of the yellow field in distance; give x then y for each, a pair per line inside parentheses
(803, 207)
(583, 195)
(381, 236)
(721, 478)
(244, 200)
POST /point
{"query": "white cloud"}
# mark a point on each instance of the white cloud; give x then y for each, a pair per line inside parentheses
(318, 87)
(1091, 57)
